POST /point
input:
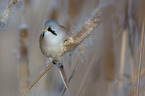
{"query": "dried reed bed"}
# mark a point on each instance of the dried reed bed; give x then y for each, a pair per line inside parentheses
(94, 67)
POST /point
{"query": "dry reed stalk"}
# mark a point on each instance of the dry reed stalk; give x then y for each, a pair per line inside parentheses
(108, 66)
(6, 13)
(54, 14)
(140, 58)
(123, 53)
(39, 77)
(132, 90)
(12, 3)
(109, 89)
(112, 14)
(86, 74)
(85, 30)
(131, 25)
(122, 60)
(23, 66)
(108, 58)
(71, 8)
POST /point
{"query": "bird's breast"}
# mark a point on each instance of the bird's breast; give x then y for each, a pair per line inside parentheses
(53, 48)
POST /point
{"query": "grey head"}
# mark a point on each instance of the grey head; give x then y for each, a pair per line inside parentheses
(55, 28)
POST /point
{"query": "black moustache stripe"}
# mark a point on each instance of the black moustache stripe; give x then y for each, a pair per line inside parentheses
(53, 32)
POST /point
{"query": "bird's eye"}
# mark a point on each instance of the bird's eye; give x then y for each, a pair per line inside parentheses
(52, 31)
(49, 29)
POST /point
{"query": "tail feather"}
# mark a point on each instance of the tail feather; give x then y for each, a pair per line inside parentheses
(63, 76)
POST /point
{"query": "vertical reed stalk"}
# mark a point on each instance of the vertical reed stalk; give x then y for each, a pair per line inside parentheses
(86, 74)
(5, 15)
(140, 59)
(122, 61)
(71, 8)
(23, 67)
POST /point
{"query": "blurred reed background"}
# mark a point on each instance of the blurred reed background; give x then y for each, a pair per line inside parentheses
(109, 62)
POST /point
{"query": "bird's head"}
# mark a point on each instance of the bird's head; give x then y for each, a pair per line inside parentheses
(53, 29)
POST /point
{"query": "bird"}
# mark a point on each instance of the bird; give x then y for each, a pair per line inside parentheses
(52, 39)
(51, 45)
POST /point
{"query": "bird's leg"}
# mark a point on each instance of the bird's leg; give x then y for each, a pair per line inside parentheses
(54, 61)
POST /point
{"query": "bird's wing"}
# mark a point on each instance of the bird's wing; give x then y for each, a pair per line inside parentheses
(42, 44)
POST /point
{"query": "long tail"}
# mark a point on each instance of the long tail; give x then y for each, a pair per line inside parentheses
(38, 78)
(63, 76)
